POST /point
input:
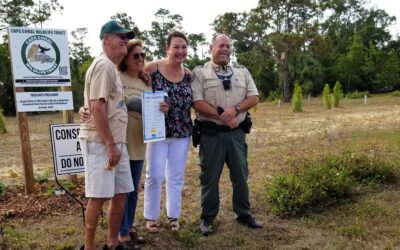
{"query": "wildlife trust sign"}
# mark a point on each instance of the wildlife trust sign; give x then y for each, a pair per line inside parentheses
(39, 57)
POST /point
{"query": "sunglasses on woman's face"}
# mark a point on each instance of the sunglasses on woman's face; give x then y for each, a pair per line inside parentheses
(136, 56)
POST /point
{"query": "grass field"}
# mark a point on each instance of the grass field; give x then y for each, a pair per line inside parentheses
(369, 220)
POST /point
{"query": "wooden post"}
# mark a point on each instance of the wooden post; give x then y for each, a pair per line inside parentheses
(25, 148)
(24, 137)
(68, 117)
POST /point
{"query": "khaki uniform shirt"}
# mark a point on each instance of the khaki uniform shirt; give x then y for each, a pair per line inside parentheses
(208, 87)
(133, 88)
(103, 81)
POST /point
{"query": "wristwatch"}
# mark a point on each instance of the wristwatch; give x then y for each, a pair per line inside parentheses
(237, 107)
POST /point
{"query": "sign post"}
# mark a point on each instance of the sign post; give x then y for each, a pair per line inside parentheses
(67, 154)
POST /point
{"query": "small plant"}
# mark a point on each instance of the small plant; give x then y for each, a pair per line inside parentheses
(2, 187)
(297, 98)
(188, 238)
(43, 177)
(326, 97)
(3, 128)
(337, 94)
(352, 231)
(69, 185)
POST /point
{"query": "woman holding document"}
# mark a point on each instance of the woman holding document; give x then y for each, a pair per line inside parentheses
(167, 158)
(129, 69)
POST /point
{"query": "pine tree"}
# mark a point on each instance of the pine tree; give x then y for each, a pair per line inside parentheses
(297, 98)
(337, 94)
(325, 97)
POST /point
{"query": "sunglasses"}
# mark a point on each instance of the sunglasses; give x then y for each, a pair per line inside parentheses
(121, 36)
(136, 56)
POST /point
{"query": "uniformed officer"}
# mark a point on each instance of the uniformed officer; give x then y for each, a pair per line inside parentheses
(222, 94)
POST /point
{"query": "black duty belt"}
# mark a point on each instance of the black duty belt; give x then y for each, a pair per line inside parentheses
(218, 128)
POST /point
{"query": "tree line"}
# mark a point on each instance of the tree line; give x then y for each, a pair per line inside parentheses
(311, 42)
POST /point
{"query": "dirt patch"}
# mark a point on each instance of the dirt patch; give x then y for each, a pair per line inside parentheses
(16, 205)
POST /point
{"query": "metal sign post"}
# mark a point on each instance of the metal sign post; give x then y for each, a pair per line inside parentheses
(67, 154)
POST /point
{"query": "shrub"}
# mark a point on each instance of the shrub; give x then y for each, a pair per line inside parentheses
(297, 98)
(396, 93)
(328, 184)
(325, 97)
(358, 95)
(3, 129)
(365, 170)
(319, 184)
(288, 195)
(337, 94)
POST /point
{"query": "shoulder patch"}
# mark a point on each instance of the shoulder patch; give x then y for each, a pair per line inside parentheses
(198, 67)
(236, 65)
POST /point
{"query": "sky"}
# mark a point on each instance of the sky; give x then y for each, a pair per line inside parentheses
(197, 15)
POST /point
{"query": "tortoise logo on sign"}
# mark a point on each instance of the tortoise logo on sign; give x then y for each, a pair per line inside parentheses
(40, 55)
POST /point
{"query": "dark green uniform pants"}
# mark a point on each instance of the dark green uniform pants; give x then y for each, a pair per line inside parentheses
(223, 147)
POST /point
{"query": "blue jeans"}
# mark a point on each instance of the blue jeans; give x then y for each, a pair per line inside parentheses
(132, 198)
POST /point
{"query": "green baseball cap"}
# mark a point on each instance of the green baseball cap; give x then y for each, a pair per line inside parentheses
(113, 26)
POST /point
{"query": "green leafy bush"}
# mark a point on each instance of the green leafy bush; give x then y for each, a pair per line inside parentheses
(365, 169)
(328, 184)
(314, 187)
(337, 94)
(319, 184)
(3, 128)
(325, 97)
(358, 95)
(297, 98)
(288, 195)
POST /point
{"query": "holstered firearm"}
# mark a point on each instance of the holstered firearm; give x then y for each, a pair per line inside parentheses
(247, 123)
(196, 133)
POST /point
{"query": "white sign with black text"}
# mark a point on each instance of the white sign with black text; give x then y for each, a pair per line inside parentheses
(40, 57)
(67, 152)
(44, 101)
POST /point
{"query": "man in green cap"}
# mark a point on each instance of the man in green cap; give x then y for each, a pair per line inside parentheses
(103, 137)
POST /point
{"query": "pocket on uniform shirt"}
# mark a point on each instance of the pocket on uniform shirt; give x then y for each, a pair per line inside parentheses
(239, 89)
(210, 91)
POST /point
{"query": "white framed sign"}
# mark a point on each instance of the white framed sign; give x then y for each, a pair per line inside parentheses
(40, 57)
(43, 101)
(66, 147)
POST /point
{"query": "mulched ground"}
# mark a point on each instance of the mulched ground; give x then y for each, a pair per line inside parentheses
(16, 205)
